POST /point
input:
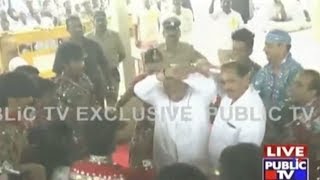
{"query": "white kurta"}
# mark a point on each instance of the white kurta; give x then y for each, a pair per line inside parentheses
(232, 127)
(182, 128)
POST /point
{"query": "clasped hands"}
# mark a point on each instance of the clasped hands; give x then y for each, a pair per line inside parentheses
(181, 72)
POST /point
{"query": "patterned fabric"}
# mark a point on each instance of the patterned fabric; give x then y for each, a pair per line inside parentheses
(141, 145)
(305, 129)
(313, 109)
(273, 88)
(86, 170)
(13, 140)
(74, 94)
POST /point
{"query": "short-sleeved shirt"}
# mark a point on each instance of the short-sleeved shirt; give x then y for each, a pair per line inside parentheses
(96, 65)
(273, 88)
(185, 54)
(148, 24)
(111, 45)
(74, 94)
(225, 25)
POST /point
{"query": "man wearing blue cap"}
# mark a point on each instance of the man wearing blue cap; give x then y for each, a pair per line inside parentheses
(173, 50)
(274, 79)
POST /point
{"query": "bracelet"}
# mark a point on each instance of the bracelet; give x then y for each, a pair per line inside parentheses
(146, 164)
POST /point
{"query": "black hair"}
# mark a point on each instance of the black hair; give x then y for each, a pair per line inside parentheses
(45, 86)
(68, 52)
(315, 80)
(54, 144)
(72, 18)
(100, 13)
(23, 47)
(288, 47)
(149, 56)
(242, 69)
(244, 35)
(180, 171)
(99, 135)
(28, 70)
(241, 162)
(16, 85)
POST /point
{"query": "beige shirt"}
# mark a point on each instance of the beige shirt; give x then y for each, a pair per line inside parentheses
(184, 54)
(111, 45)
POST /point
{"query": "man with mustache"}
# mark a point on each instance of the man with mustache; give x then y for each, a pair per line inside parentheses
(241, 116)
(273, 80)
(173, 50)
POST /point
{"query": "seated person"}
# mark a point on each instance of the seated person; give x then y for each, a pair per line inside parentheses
(241, 162)
(180, 171)
(17, 92)
(52, 145)
(99, 139)
(287, 15)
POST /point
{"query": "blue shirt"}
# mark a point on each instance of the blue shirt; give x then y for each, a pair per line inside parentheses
(273, 88)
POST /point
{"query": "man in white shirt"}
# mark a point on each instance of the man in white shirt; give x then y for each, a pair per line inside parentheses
(186, 18)
(241, 116)
(225, 22)
(181, 100)
(147, 26)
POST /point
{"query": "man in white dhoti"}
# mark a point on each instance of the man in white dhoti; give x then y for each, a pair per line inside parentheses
(181, 98)
(241, 116)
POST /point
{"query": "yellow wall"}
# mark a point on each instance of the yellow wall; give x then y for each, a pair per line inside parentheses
(12, 41)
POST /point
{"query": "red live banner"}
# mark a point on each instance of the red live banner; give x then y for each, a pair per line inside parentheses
(286, 151)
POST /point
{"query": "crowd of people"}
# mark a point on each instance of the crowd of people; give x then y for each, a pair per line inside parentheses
(199, 121)
(26, 15)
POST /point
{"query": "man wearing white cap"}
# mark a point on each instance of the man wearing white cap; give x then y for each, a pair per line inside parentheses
(16, 62)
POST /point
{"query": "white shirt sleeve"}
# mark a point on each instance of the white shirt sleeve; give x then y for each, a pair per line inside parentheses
(148, 89)
(206, 87)
(186, 21)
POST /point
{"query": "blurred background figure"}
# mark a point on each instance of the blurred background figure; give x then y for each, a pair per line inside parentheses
(180, 172)
(146, 26)
(241, 162)
(185, 16)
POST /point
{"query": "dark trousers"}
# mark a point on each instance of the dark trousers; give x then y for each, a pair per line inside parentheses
(112, 95)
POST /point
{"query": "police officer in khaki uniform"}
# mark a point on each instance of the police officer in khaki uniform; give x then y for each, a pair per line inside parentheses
(175, 52)
(112, 47)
